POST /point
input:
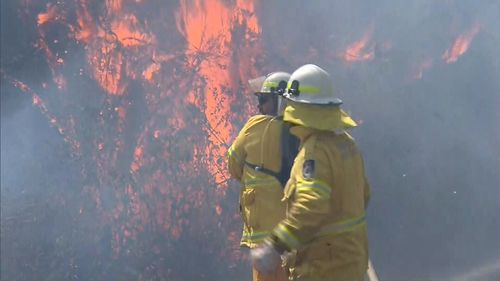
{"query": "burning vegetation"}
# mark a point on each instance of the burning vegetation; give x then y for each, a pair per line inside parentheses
(145, 96)
(152, 151)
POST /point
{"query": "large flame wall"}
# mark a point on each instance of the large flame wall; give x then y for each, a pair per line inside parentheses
(117, 114)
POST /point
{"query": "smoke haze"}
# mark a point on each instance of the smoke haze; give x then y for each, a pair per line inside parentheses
(115, 117)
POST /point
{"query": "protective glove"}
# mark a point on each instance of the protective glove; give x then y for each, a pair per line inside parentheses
(265, 258)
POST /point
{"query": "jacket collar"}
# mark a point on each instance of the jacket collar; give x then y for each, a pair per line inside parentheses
(319, 117)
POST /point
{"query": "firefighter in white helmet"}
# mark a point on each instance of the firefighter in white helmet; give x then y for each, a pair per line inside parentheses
(323, 234)
(261, 158)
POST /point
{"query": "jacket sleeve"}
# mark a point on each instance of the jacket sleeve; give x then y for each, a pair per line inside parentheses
(310, 204)
(236, 155)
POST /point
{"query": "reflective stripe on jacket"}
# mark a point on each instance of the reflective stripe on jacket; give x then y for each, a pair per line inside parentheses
(258, 143)
(326, 199)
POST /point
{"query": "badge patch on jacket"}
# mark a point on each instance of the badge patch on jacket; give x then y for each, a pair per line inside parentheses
(308, 169)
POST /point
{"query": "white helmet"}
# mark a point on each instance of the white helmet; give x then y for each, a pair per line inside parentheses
(312, 85)
(272, 81)
(270, 84)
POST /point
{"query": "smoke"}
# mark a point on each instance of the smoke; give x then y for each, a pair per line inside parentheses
(430, 142)
(484, 272)
(429, 134)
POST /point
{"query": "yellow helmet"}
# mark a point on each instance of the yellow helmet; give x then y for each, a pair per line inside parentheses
(311, 84)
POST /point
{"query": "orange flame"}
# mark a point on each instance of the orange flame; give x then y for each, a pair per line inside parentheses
(207, 29)
(49, 15)
(54, 59)
(85, 24)
(185, 90)
(461, 45)
(358, 50)
(105, 47)
(149, 72)
(125, 30)
(114, 5)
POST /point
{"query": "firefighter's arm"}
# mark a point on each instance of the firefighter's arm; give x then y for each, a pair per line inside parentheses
(236, 154)
(310, 206)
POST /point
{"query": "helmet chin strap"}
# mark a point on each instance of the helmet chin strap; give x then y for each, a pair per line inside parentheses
(277, 104)
(281, 104)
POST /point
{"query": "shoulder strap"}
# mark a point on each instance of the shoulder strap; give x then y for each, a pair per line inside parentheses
(289, 150)
(289, 145)
(262, 170)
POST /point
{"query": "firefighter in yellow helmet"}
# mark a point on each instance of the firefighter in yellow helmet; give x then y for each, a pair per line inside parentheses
(323, 234)
(261, 158)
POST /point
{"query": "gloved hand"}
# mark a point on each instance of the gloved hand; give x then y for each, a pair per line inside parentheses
(265, 258)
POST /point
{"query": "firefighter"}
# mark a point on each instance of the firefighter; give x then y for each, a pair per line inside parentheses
(323, 235)
(261, 158)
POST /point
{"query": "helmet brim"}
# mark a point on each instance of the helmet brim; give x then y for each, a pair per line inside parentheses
(328, 101)
(317, 116)
(256, 83)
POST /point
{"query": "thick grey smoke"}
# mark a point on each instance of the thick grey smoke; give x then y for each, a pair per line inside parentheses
(431, 144)
(430, 138)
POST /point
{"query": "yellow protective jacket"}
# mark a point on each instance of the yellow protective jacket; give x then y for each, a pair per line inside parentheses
(258, 145)
(326, 198)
